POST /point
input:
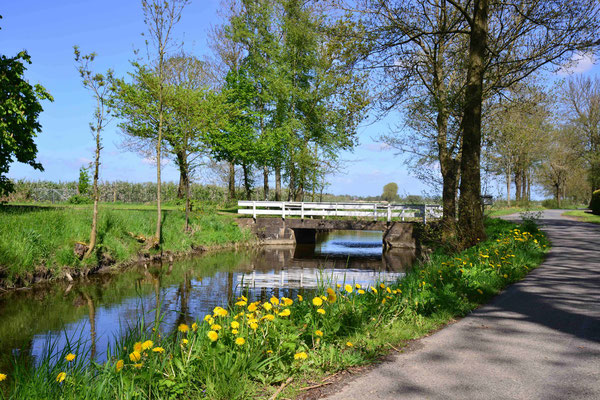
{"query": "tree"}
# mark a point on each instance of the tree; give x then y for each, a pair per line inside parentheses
(390, 192)
(100, 87)
(20, 108)
(160, 17)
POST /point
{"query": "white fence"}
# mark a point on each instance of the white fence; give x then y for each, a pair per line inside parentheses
(372, 210)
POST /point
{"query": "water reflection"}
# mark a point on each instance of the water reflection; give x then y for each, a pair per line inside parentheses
(101, 307)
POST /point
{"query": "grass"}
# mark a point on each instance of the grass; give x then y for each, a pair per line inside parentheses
(250, 348)
(43, 238)
(500, 211)
(584, 216)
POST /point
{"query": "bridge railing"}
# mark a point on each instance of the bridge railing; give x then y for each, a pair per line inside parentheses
(369, 210)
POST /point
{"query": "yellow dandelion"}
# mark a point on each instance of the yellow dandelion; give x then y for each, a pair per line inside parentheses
(348, 288)
(147, 344)
(234, 325)
(360, 291)
(252, 307)
(338, 286)
(216, 327)
(135, 356)
(319, 333)
(373, 290)
(267, 306)
(253, 325)
(207, 317)
(383, 301)
(212, 335)
(194, 327)
(269, 351)
(184, 341)
(240, 341)
(330, 291)
(70, 357)
(274, 300)
(268, 317)
(317, 301)
(138, 365)
(158, 350)
(234, 331)
(387, 289)
(381, 285)
(183, 328)
(349, 344)
(321, 311)
(358, 286)
(119, 365)
(300, 356)
(286, 312)
(61, 377)
(287, 302)
(300, 298)
(137, 347)
(2, 377)
(241, 303)
(220, 312)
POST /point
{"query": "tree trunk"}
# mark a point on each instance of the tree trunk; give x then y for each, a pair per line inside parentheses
(470, 214)
(524, 186)
(266, 182)
(557, 195)
(517, 184)
(278, 183)
(508, 185)
(182, 164)
(246, 181)
(187, 197)
(94, 232)
(231, 185)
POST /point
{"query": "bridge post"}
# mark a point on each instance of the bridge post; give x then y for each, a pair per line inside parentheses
(424, 213)
(375, 212)
(389, 213)
(283, 210)
(302, 211)
(254, 210)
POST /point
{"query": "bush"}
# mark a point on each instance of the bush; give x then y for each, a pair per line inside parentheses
(595, 202)
(79, 199)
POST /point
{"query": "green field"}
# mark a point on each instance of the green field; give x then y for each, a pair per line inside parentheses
(42, 239)
(584, 216)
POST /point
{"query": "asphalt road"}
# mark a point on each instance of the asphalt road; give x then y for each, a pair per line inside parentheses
(539, 339)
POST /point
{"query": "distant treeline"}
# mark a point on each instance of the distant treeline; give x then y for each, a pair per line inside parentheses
(145, 192)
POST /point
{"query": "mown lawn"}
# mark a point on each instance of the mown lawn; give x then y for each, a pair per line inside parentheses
(584, 216)
(249, 348)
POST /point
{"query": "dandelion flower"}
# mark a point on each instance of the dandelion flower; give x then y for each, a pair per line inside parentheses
(2, 377)
(319, 333)
(70, 357)
(252, 307)
(287, 302)
(135, 356)
(387, 289)
(317, 301)
(381, 285)
(183, 328)
(119, 365)
(216, 327)
(184, 341)
(374, 290)
(321, 311)
(505, 276)
(348, 288)
(194, 327)
(269, 317)
(274, 300)
(235, 325)
(300, 356)
(253, 325)
(360, 291)
(286, 312)
(358, 286)
(208, 317)
(220, 311)
(234, 331)
(240, 341)
(241, 303)
(349, 344)
(212, 335)
(147, 345)
(61, 377)
(137, 347)
(300, 298)
(267, 306)
(139, 365)
(158, 350)
(338, 286)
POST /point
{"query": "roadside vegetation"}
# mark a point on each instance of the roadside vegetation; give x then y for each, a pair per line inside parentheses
(249, 349)
(584, 216)
(43, 240)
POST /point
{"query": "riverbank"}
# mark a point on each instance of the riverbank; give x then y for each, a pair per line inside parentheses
(252, 350)
(39, 243)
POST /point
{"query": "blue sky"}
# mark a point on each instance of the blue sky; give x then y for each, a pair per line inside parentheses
(49, 29)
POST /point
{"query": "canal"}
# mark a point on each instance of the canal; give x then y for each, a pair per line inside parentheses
(99, 309)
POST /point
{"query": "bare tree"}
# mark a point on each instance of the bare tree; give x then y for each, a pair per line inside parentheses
(99, 85)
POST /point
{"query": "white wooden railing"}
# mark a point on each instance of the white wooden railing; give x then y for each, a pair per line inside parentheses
(374, 210)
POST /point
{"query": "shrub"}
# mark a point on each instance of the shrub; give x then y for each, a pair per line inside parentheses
(595, 202)
(79, 199)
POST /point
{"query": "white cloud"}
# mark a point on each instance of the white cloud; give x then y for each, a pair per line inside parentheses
(580, 63)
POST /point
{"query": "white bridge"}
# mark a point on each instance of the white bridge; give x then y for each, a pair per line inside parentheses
(358, 209)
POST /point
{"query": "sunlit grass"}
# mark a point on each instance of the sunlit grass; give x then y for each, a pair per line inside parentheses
(584, 216)
(340, 326)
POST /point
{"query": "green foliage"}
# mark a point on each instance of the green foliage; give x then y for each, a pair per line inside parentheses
(83, 185)
(80, 199)
(390, 192)
(595, 202)
(19, 111)
(337, 327)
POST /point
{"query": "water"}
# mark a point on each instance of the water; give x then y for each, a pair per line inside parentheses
(99, 308)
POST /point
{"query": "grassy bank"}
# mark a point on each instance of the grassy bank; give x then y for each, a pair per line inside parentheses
(42, 239)
(584, 216)
(249, 349)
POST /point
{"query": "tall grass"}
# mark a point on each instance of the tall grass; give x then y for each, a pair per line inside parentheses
(249, 349)
(34, 237)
